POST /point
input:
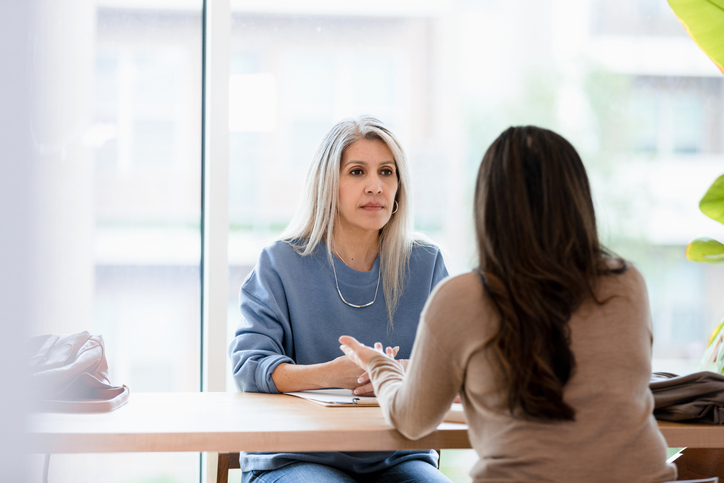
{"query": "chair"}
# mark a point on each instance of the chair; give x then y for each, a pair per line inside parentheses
(228, 461)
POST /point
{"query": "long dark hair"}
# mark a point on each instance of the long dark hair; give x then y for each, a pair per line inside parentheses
(540, 258)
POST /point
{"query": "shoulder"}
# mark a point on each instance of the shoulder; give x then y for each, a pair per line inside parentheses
(280, 268)
(632, 273)
(425, 248)
(458, 293)
(458, 288)
(625, 292)
(277, 261)
(631, 281)
(425, 252)
(279, 253)
(456, 304)
(426, 258)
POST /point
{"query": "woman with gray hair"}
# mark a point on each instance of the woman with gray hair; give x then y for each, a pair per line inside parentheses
(347, 264)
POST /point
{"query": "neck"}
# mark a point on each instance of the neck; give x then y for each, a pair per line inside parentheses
(357, 250)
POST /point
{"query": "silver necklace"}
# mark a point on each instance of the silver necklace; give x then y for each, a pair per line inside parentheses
(340, 293)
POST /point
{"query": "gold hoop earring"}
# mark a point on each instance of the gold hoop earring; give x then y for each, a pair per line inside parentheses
(397, 206)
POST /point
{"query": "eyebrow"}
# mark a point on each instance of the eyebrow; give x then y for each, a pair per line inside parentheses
(364, 163)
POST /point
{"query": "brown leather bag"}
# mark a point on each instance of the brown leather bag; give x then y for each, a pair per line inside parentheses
(69, 373)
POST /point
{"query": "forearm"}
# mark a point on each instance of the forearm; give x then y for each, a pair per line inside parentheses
(415, 400)
(296, 377)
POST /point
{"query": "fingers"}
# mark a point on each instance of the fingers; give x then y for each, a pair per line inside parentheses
(350, 346)
(364, 378)
(361, 354)
(366, 390)
(354, 344)
(391, 351)
(350, 342)
(352, 356)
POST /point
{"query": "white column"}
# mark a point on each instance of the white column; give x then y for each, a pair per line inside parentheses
(216, 189)
(63, 60)
(216, 199)
(18, 224)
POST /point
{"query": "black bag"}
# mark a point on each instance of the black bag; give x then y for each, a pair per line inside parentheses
(694, 398)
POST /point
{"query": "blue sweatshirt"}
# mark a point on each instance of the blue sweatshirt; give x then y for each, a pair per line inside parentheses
(291, 312)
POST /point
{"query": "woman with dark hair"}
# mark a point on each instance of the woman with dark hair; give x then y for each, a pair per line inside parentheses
(548, 341)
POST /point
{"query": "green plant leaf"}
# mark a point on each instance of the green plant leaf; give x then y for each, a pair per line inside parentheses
(704, 21)
(715, 332)
(713, 357)
(712, 204)
(705, 250)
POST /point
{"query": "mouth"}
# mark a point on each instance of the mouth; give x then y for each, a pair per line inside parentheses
(372, 207)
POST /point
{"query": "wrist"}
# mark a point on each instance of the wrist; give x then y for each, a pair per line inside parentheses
(377, 359)
(297, 377)
(322, 373)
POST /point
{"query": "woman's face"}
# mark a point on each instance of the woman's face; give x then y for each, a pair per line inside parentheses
(367, 185)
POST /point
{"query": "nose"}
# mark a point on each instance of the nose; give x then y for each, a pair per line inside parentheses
(374, 185)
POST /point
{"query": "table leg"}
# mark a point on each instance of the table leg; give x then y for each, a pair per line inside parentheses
(222, 468)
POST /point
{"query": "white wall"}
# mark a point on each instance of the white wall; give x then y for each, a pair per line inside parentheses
(17, 213)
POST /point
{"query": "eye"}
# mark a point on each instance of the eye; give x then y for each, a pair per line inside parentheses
(356, 172)
(387, 172)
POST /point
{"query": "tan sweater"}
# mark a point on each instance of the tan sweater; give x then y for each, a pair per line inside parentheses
(614, 437)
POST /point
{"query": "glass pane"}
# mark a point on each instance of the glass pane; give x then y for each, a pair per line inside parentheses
(292, 77)
(119, 124)
(621, 80)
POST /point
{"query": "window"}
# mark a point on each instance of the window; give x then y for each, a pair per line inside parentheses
(117, 122)
(640, 18)
(448, 82)
(121, 122)
(676, 115)
(648, 124)
(292, 77)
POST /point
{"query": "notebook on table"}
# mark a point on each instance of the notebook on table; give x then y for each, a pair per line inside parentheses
(345, 398)
(335, 398)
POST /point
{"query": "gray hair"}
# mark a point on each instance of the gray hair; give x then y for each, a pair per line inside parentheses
(315, 218)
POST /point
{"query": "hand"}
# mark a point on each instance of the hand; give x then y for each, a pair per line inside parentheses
(367, 389)
(361, 355)
(342, 372)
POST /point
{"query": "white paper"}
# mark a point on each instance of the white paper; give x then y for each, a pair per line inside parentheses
(335, 396)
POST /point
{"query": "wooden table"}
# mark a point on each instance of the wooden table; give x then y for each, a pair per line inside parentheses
(704, 454)
(680, 435)
(232, 422)
(227, 422)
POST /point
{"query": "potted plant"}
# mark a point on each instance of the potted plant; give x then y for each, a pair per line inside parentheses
(704, 22)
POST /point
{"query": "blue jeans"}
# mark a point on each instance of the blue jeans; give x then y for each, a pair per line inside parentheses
(407, 471)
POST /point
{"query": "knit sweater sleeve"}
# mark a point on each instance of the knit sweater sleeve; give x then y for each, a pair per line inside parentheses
(439, 270)
(415, 402)
(263, 338)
